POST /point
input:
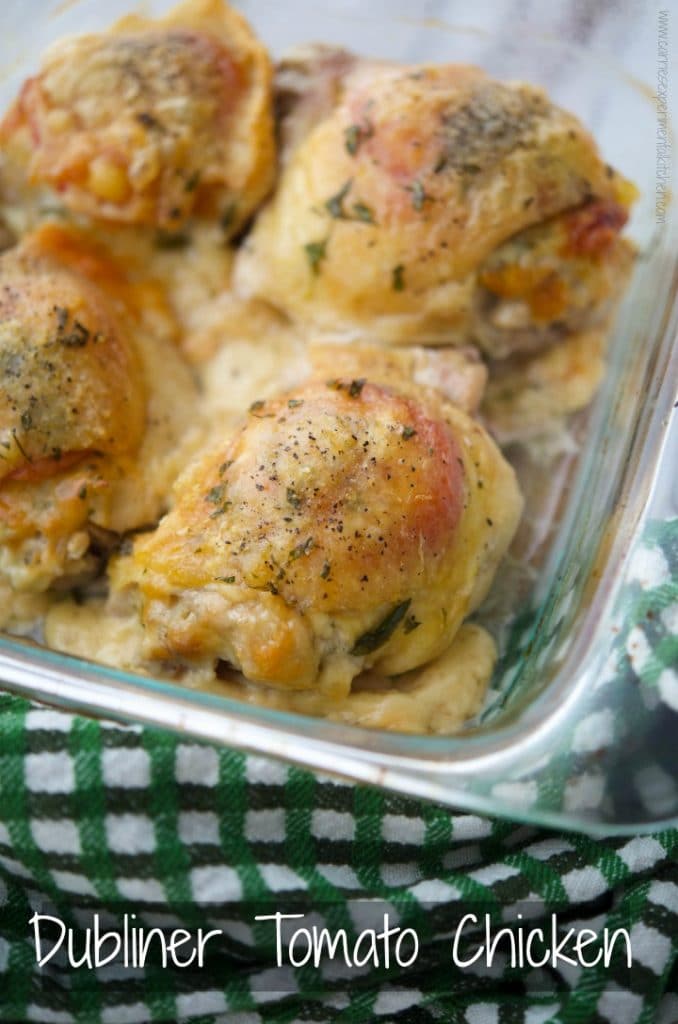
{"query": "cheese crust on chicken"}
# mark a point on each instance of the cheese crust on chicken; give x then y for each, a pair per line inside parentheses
(432, 204)
(153, 120)
(346, 526)
(88, 429)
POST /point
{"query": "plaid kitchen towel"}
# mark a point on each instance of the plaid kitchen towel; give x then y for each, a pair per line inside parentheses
(98, 819)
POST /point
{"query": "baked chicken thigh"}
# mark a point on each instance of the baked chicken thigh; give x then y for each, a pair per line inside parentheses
(88, 429)
(349, 524)
(432, 204)
(152, 120)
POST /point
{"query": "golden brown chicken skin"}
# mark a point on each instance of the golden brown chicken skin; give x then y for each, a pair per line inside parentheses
(152, 121)
(71, 380)
(419, 203)
(77, 409)
(347, 525)
(72, 400)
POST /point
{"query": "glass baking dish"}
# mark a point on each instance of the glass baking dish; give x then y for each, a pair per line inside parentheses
(524, 757)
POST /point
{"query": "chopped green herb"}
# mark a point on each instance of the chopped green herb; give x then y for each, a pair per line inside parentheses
(293, 498)
(356, 134)
(26, 420)
(408, 432)
(399, 278)
(228, 217)
(335, 204)
(316, 252)
(224, 466)
(216, 495)
(363, 213)
(410, 624)
(52, 210)
(376, 638)
(171, 239)
(352, 138)
(221, 510)
(225, 579)
(256, 406)
(354, 388)
(359, 210)
(301, 549)
(192, 182)
(419, 195)
(325, 571)
(271, 587)
(294, 403)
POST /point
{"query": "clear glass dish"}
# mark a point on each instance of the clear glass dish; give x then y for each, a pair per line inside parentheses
(521, 758)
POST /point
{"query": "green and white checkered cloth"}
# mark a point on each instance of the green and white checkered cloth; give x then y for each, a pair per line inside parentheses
(95, 817)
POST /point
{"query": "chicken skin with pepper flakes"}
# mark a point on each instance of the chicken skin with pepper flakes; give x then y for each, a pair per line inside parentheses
(80, 411)
(435, 205)
(348, 525)
(152, 121)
